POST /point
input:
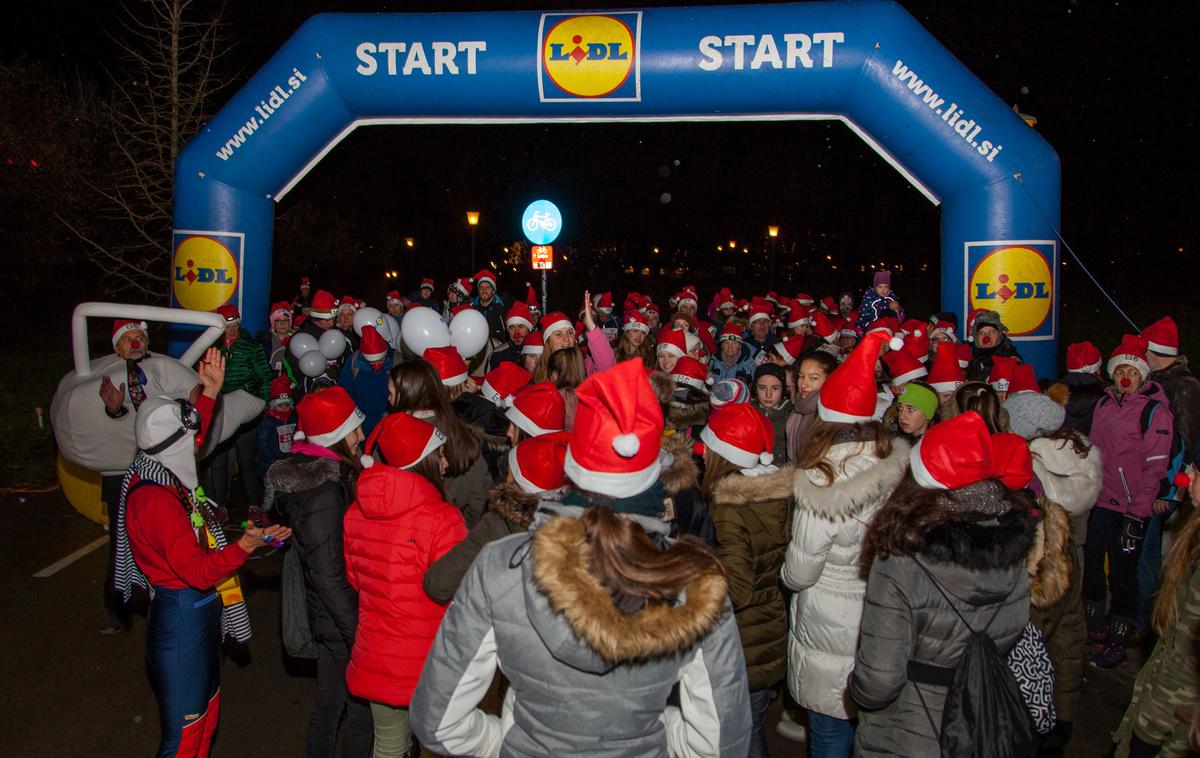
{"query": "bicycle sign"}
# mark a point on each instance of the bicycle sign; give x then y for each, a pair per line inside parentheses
(541, 222)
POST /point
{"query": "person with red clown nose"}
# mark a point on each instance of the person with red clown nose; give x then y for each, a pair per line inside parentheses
(1132, 428)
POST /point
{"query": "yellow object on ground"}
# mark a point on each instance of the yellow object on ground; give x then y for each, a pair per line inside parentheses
(82, 488)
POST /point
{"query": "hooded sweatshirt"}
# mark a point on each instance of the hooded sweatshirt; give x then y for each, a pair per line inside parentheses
(1134, 463)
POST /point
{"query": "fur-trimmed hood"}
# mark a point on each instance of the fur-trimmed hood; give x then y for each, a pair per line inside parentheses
(860, 479)
(1068, 479)
(578, 622)
(684, 415)
(682, 473)
(1049, 558)
(740, 490)
(301, 473)
(513, 504)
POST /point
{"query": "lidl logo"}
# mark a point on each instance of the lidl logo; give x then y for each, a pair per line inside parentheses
(1017, 280)
(205, 271)
(590, 57)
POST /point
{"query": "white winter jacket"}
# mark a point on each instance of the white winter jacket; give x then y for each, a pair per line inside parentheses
(821, 565)
(1070, 480)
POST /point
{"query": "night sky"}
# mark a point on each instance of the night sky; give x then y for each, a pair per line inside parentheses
(1112, 85)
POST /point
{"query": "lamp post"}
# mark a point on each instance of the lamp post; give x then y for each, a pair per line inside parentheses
(773, 233)
(472, 221)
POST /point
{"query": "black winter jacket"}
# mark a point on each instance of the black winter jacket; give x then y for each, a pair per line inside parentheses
(1085, 390)
(311, 498)
(1183, 393)
(980, 367)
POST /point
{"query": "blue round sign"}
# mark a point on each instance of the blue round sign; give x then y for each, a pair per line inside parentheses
(541, 222)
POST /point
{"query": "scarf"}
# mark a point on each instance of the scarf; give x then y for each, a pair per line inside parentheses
(648, 503)
(235, 619)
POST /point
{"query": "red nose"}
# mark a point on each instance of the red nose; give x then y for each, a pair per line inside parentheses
(135, 344)
(1125, 382)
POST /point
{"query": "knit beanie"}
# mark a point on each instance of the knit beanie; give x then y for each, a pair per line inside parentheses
(1032, 414)
(922, 398)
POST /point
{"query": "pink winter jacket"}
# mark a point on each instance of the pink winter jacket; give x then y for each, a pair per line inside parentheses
(600, 353)
(1125, 451)
(397, 526)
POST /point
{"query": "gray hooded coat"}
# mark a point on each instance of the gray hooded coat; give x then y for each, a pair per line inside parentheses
(587, 680)
(982, 566)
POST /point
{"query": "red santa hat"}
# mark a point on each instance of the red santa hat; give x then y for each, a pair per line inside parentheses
(760, 311)
(829, 305)
(453, 311)
(348, 301)
(1004, 369)
(123, 326)
(533, 344)
(618, 429)
(554, 321)
(426, 283)
(1024, 380)
(849, 395)
(401, 441)
(672, 342)
(327, 416)
(230, 313)
(846, 327)
(772, 297)
(1162, 336)
(519, 315)
(373, 347)
(637, 322)
(604, 302)
(943, 327)
(305, 281)
(824, 326)
(1012, 462)
(323, 305)
(804, 299)
(971, 316)
(462, 286)
(964, 355)
(953, 454)
(887, 324)
(740, 434)
(448, 364)
(538, 409)
(790, 349)
(651, 307)
(531, 298)
(912, 325)
(798, 316)
(731, 331)
(684, 297)
(280, 310)
(691, 373)
(536, 463)
(704, 331)
(393, 296)
(280, 392)
(1131, 351)
(1083, 357)
(903, 367)
(945, 375)
(485, 276)
(502, 382)
(725, 297)
(916, 344)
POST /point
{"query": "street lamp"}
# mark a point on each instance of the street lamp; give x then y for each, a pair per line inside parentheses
(409, 242)
(472, 221)
(773, 233)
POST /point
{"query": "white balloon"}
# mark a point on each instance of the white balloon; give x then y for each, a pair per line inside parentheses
(312, 363)
(301, 343)
(390, 330)
(332, 344)
(469, 333)
(364, 316)
(423, 328)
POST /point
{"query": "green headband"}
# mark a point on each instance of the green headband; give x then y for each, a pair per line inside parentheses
(922, 398)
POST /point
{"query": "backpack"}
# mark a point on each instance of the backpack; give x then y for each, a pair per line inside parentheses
(1175, 457)
(985, 714)
(294, 626)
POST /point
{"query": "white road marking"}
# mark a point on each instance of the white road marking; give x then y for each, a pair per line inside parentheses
(58, 566)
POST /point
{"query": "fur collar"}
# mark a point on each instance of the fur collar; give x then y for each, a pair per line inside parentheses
(1049, 560)
(682, 474)
(990, 543)
(850, 494)
(561, 556)
(741, 490)
(301, 473)
(513, 504)
(682, 415)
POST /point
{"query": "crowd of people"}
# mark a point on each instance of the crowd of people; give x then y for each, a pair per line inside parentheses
(628, 530)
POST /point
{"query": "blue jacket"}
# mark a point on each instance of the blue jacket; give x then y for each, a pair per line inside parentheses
(873, 307)
(743, 368)
(367, 387)
(267, 440)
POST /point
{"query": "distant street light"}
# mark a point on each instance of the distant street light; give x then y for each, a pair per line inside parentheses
(473, 221)
(773, 233)
(409, 242)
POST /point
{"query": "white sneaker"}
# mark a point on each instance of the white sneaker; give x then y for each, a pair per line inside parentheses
(790, 728)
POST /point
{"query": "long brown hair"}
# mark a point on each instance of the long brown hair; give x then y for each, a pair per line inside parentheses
(636, 570)
(352, 465)
(1180, 565)
(565, 368)
(1080, 445)
(716, 468)
(981, 398)
(814, 451)
(419, 388)
(644, 352)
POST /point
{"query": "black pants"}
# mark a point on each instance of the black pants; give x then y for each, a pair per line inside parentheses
(332, 700)
(217, 476)
(1104, 539)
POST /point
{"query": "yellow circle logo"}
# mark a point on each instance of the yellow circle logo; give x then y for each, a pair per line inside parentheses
(205, 275)
(1017, 283)
(589, 56)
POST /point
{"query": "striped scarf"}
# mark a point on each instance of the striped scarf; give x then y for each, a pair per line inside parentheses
(235, 620)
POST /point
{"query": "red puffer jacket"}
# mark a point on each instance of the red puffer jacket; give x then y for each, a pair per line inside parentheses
(396, 527)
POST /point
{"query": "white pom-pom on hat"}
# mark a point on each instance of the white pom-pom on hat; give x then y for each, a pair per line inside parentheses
(896, 343)
(626, 445)
(366, 461)
(766, 458)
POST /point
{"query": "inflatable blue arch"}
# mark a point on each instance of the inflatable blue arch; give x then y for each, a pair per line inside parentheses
(868, 64)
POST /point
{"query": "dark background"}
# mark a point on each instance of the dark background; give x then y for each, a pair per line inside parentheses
(1111, 84)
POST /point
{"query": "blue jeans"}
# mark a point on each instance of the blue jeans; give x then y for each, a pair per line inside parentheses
(182, 644)
(829, 736)
(1149, 566)
(759, 700)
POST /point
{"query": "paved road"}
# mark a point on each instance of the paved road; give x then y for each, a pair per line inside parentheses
(66, 690)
